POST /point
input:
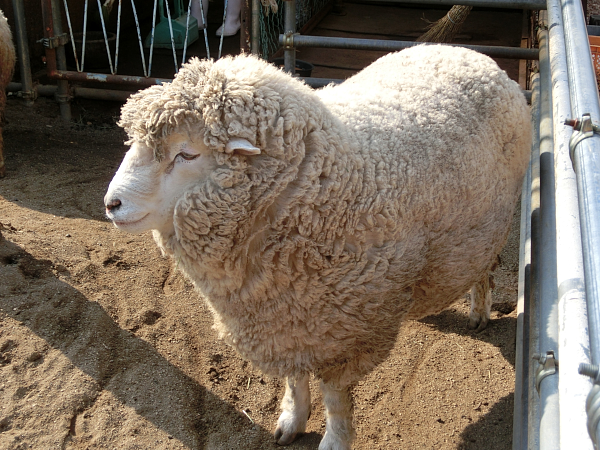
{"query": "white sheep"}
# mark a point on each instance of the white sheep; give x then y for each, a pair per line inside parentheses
(7, 64)
(315, 222)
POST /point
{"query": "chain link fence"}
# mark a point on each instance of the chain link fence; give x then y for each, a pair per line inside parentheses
(272, 25)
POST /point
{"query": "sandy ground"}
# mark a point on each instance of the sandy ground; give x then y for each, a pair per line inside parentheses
(103, 344)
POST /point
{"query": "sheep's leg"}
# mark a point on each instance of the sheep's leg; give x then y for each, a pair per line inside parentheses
(339, 411)
(481, 304)
(296, 410)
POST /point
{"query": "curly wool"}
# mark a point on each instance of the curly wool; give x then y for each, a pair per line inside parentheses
(213, 101)
(384, 198)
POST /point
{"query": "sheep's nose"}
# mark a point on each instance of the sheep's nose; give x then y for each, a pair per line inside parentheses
(113, 204)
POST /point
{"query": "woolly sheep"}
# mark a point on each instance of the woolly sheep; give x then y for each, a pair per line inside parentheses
(7, 64)
(314, 222)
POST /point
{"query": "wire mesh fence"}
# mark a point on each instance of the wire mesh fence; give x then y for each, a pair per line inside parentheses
(166, 24)
(272, 24)
(115, 30)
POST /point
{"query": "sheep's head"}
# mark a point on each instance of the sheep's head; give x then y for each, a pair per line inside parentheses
(199, 136)
(144, 191)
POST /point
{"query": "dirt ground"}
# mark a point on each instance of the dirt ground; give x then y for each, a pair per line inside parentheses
(103, 344)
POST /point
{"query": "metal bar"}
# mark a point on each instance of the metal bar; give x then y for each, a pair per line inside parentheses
(139, 34)
(586, 158)
(245, 33)
(101, 94)
(73, 46)
(152, 38)
(205, 27)
(521, 4)
(43, 90)
(118, 37)
(55, 57)
(533, 408)
(172, 37)
(222, 29)
(289, 53)
(69, 75)
(522, 355)
(48, 33)
(548, 386)
(320, 82)
(20, 35)
(584, 99)
(255, 44)
(85, 17)
(187, 31)
(110, 63)
(375, 44)
(77, 92)
(573, 343)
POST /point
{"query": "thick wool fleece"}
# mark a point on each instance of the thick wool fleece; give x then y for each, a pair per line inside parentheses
(7, 64)
(384, 198)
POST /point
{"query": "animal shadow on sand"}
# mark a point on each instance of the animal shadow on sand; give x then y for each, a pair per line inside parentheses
(496, 333)
(101, 354)
(501, 333)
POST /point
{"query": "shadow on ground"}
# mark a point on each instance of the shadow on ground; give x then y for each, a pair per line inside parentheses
(104, 360)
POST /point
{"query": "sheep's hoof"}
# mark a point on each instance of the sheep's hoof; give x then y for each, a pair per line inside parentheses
(288, 428)
(332, 442)
(478, 322)
(283, 438)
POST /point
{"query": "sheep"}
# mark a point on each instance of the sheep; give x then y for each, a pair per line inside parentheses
(7, 64)
(315, 222)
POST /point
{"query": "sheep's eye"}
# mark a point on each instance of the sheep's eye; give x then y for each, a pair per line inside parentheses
(186, 156)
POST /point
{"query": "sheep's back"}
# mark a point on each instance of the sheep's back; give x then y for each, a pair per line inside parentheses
(446, 135)
(407, 176)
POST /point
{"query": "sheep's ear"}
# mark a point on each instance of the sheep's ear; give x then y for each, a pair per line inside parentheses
(241, 146)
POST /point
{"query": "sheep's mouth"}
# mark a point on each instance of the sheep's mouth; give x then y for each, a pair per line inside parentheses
(125, 224)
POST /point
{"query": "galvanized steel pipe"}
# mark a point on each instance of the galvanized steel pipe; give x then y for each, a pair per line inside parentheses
(510, 4)
(584, 99)
(255, 41)
(140, 82)
(586, 159)
(573, 343)
(379, 44)
(55, 57)
(533, 409)
(522, 354)
(20, 34)
(547, 371)
(289, 53)
(77, 92)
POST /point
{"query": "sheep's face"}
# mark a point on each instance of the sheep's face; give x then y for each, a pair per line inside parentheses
(143, 193)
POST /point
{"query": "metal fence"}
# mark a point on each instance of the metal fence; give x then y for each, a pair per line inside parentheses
(273, 24)
(560, 253)
(73, 48)
(557, 389)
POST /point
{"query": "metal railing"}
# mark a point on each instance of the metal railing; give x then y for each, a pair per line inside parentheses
(557, 401)
(264, 27)
(559, 306)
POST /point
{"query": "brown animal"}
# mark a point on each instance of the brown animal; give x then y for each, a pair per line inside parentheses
(7, 64)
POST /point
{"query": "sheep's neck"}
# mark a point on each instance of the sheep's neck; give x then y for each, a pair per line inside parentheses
(305, 222)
